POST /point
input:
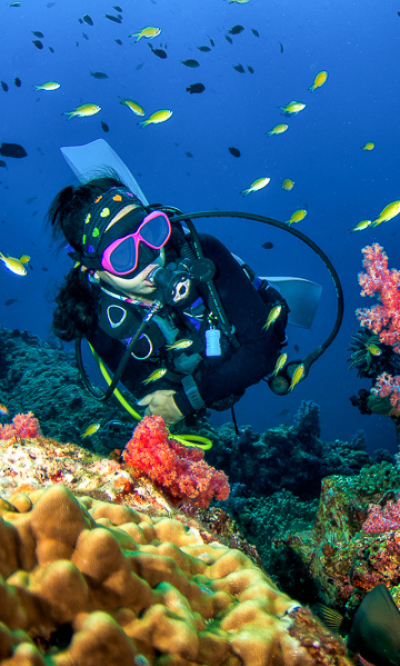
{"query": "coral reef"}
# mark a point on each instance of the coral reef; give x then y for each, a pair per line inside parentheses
(180, 471)
(290, 457)
(91, 582)
(354, 544)
(31, 370)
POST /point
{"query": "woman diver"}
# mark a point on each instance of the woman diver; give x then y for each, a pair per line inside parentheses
(193, 320)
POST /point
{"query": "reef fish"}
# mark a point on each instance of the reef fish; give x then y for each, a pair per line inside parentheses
(180, 344)
(87, 19)
(110, 17)
(190, 63)
(99, 75)
(319, 80)
(196, 88)
(364, 224)
(38, 44)
(234, 151)
(279, 364)
(297, 216)
(133, 106)
(50, 85)
(94, 427)
(278, 129)
(157, 117)
(256, 185)
(155, 375)
(148, 33)
(293, 108)
(3, 408)
(236, 30)
(83, 111)
(12, 150)
(368, 146)
(273, 316)
(15, 265)
(388, 213)
(297, 376)
(287, 184)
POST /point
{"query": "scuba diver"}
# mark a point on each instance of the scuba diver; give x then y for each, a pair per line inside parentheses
(197, 351)
(178, 319)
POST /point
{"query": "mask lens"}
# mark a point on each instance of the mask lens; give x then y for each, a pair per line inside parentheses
(156, 231)
(123, 258)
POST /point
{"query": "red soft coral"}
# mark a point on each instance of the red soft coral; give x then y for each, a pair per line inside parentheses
(23, 425)
(180, 471)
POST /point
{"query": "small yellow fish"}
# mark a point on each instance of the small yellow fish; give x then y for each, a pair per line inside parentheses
(368, 146)
(3, 410)
(180, 344)
(388, 213)
(364, 224)
(278, 129)
(287, 184)
(257, 185)
(157, 117)
(241, 2)
(149, 33)
(374, 349)
(297, 216)
(273, 316)
(50, 85)
(319, 80)
(279, 364)
(156, 374)
(297, 376)
(293, 108)
(83, 111)
(133, 106)
(91, 430)
(15, 265)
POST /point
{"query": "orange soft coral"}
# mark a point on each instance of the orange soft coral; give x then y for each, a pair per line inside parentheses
(180, 471)
(23, 425)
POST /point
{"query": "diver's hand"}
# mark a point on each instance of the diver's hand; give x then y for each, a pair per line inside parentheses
(162, 403)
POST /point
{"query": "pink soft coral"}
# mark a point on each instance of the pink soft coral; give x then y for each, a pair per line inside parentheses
(23, 425)
(381, 520)
(178, 470)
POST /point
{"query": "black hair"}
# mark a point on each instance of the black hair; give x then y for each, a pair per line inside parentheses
(76, 311)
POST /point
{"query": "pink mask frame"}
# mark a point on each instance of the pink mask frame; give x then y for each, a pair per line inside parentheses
(137, 238)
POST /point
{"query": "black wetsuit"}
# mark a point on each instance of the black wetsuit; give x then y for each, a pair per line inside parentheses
(216, 377)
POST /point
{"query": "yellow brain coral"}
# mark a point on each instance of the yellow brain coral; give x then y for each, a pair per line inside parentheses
(90, 583)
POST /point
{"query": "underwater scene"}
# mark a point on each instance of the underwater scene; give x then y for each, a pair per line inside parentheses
(199, 333)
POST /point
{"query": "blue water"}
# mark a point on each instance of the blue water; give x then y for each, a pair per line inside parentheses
(339, 184)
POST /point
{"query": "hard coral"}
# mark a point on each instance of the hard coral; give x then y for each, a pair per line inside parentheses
(23, 425)
(90, 583)
(180, 471)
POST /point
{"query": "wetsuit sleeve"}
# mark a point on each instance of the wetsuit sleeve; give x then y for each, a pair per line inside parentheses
(247, 312)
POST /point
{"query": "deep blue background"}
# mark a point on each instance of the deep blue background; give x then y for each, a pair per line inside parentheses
(356, 42)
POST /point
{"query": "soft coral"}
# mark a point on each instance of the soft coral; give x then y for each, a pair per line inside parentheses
(180, 471)
(23, 425)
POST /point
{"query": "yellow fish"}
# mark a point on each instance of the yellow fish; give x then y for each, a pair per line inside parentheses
(319, 80)
(133, 106)
(149, 33)
(257, 185)
(3, 410)
(287, 184)
(279, 364)
(241, 2)
(374, 349)
(297, 216)
(368, 146)
(180, 344)
(156, 374)
(364, 224)
(278, 129)
(157, 117)
(297, 376)
(83, 111)
(273, 316)
(50, 85)
(15, 265)
(388, 213)
(91, 430)
(293, 108)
